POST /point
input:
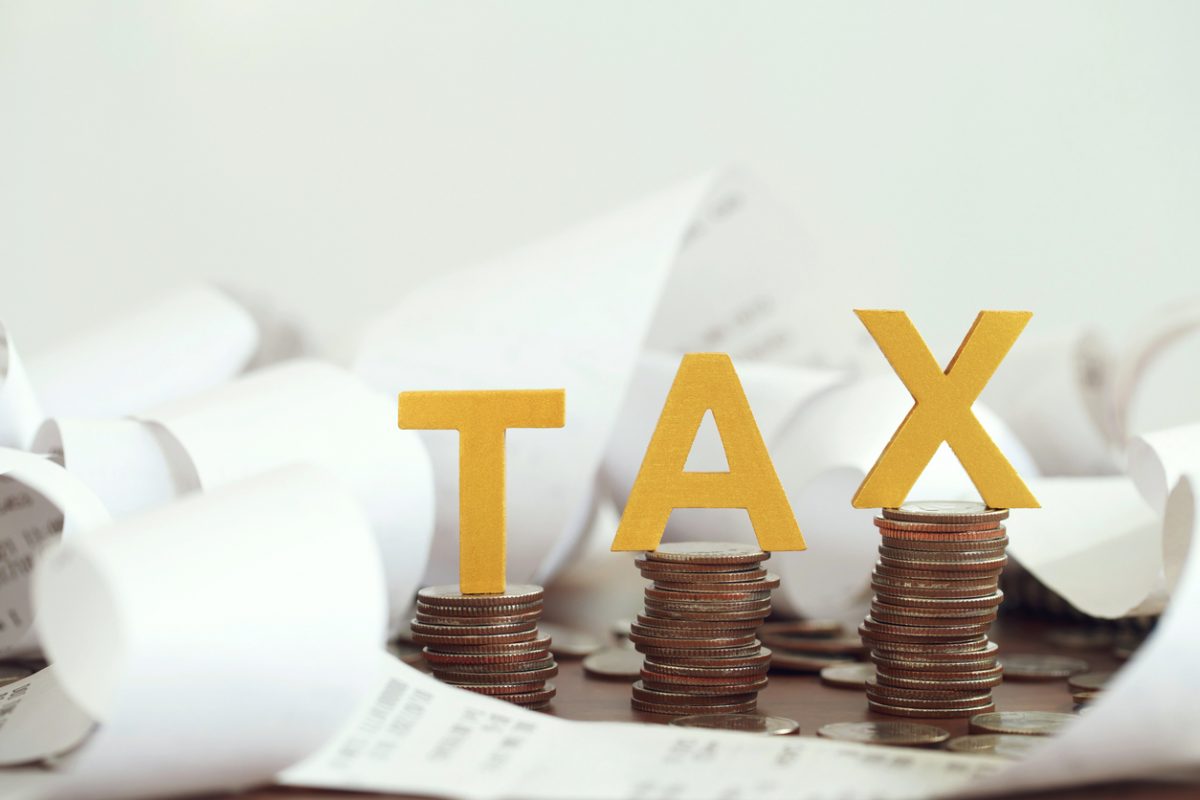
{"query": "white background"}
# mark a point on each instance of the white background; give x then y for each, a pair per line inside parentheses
(940, 157)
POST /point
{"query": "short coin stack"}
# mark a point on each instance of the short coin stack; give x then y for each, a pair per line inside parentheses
(698, 632)
(487, 643)
(936, 593)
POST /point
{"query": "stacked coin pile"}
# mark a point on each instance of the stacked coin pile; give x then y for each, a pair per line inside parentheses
(698, 632)
(487, 643)
(936, 593)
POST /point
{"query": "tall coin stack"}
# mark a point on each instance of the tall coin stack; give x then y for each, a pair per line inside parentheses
(698, 632)
(936, 593)
(487, 643)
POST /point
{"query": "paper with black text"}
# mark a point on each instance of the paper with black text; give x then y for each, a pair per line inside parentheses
(418, 736)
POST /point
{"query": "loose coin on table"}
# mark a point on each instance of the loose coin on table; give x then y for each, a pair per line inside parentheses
(848, 676)
(1037, 667)
(1022, 723)
(570, 642)
(1089, 681)
(613, 663)
(749, 723)
(899, 734)
(995, 744)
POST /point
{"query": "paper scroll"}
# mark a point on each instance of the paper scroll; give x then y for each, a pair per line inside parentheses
(211, 642)
(192, 339)
(295, 412)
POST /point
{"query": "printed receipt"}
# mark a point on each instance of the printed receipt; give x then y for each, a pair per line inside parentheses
(418, 736)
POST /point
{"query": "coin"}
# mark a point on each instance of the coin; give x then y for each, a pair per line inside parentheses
(941, 559)
(1038, 667)
(1024, 723)
(921, 531)
(653, 678)
(570, 643)
(714, 626)
(929, 681)
(408, 653)
(741, 691)
(994, 744)
(472, 657)
(708, 595)
(754, 607)
(451, 595)
(1081, 638)
(434, 614)
(926, 712)
(977, 646)
(901, 734)
(797, 662)
(848, 676)
(479, 644)
(704, 672)
(515, 677)
(698, 652)
(718, 553)
(705, 578)
(919, 698)
(613, 662)
(756, 657)
(749, 723)
(986, 601)
(490, 640)
(681, 643)
(947, 543)
(428, 629)
(678, 709)
(544, 661)
(840, 646)
(1089, 681)
(945, 512)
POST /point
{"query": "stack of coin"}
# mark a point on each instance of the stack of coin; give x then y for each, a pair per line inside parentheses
(936, 593)
(698, 632)
(487, 643)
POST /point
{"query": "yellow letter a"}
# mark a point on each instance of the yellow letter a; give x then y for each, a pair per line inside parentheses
(707, 381)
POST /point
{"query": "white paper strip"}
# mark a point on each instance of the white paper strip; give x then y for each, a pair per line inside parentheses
(20, 411)
(295, 412)
(40, 503)
(215, 640)
(1143, 725)
(186, 341)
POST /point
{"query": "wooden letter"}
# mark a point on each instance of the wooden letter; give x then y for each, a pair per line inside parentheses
(704, 382)
(482, 418)
(942, 412)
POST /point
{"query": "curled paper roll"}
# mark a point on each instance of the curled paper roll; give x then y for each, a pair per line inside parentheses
(212, 642)
(40, 503)
(295, 412)
(184, 342)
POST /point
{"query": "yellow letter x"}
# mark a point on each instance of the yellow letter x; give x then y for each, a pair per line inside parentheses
(942, 412)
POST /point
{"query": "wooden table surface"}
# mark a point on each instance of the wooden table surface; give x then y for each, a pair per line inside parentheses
(804, 699)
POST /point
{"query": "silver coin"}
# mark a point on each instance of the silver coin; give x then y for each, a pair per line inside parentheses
(750, 723)
(1023, 723)
(901, 734)
(848, 676)
(614, 662)
(1005, 745)
(570, 642)
(1038, 667)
